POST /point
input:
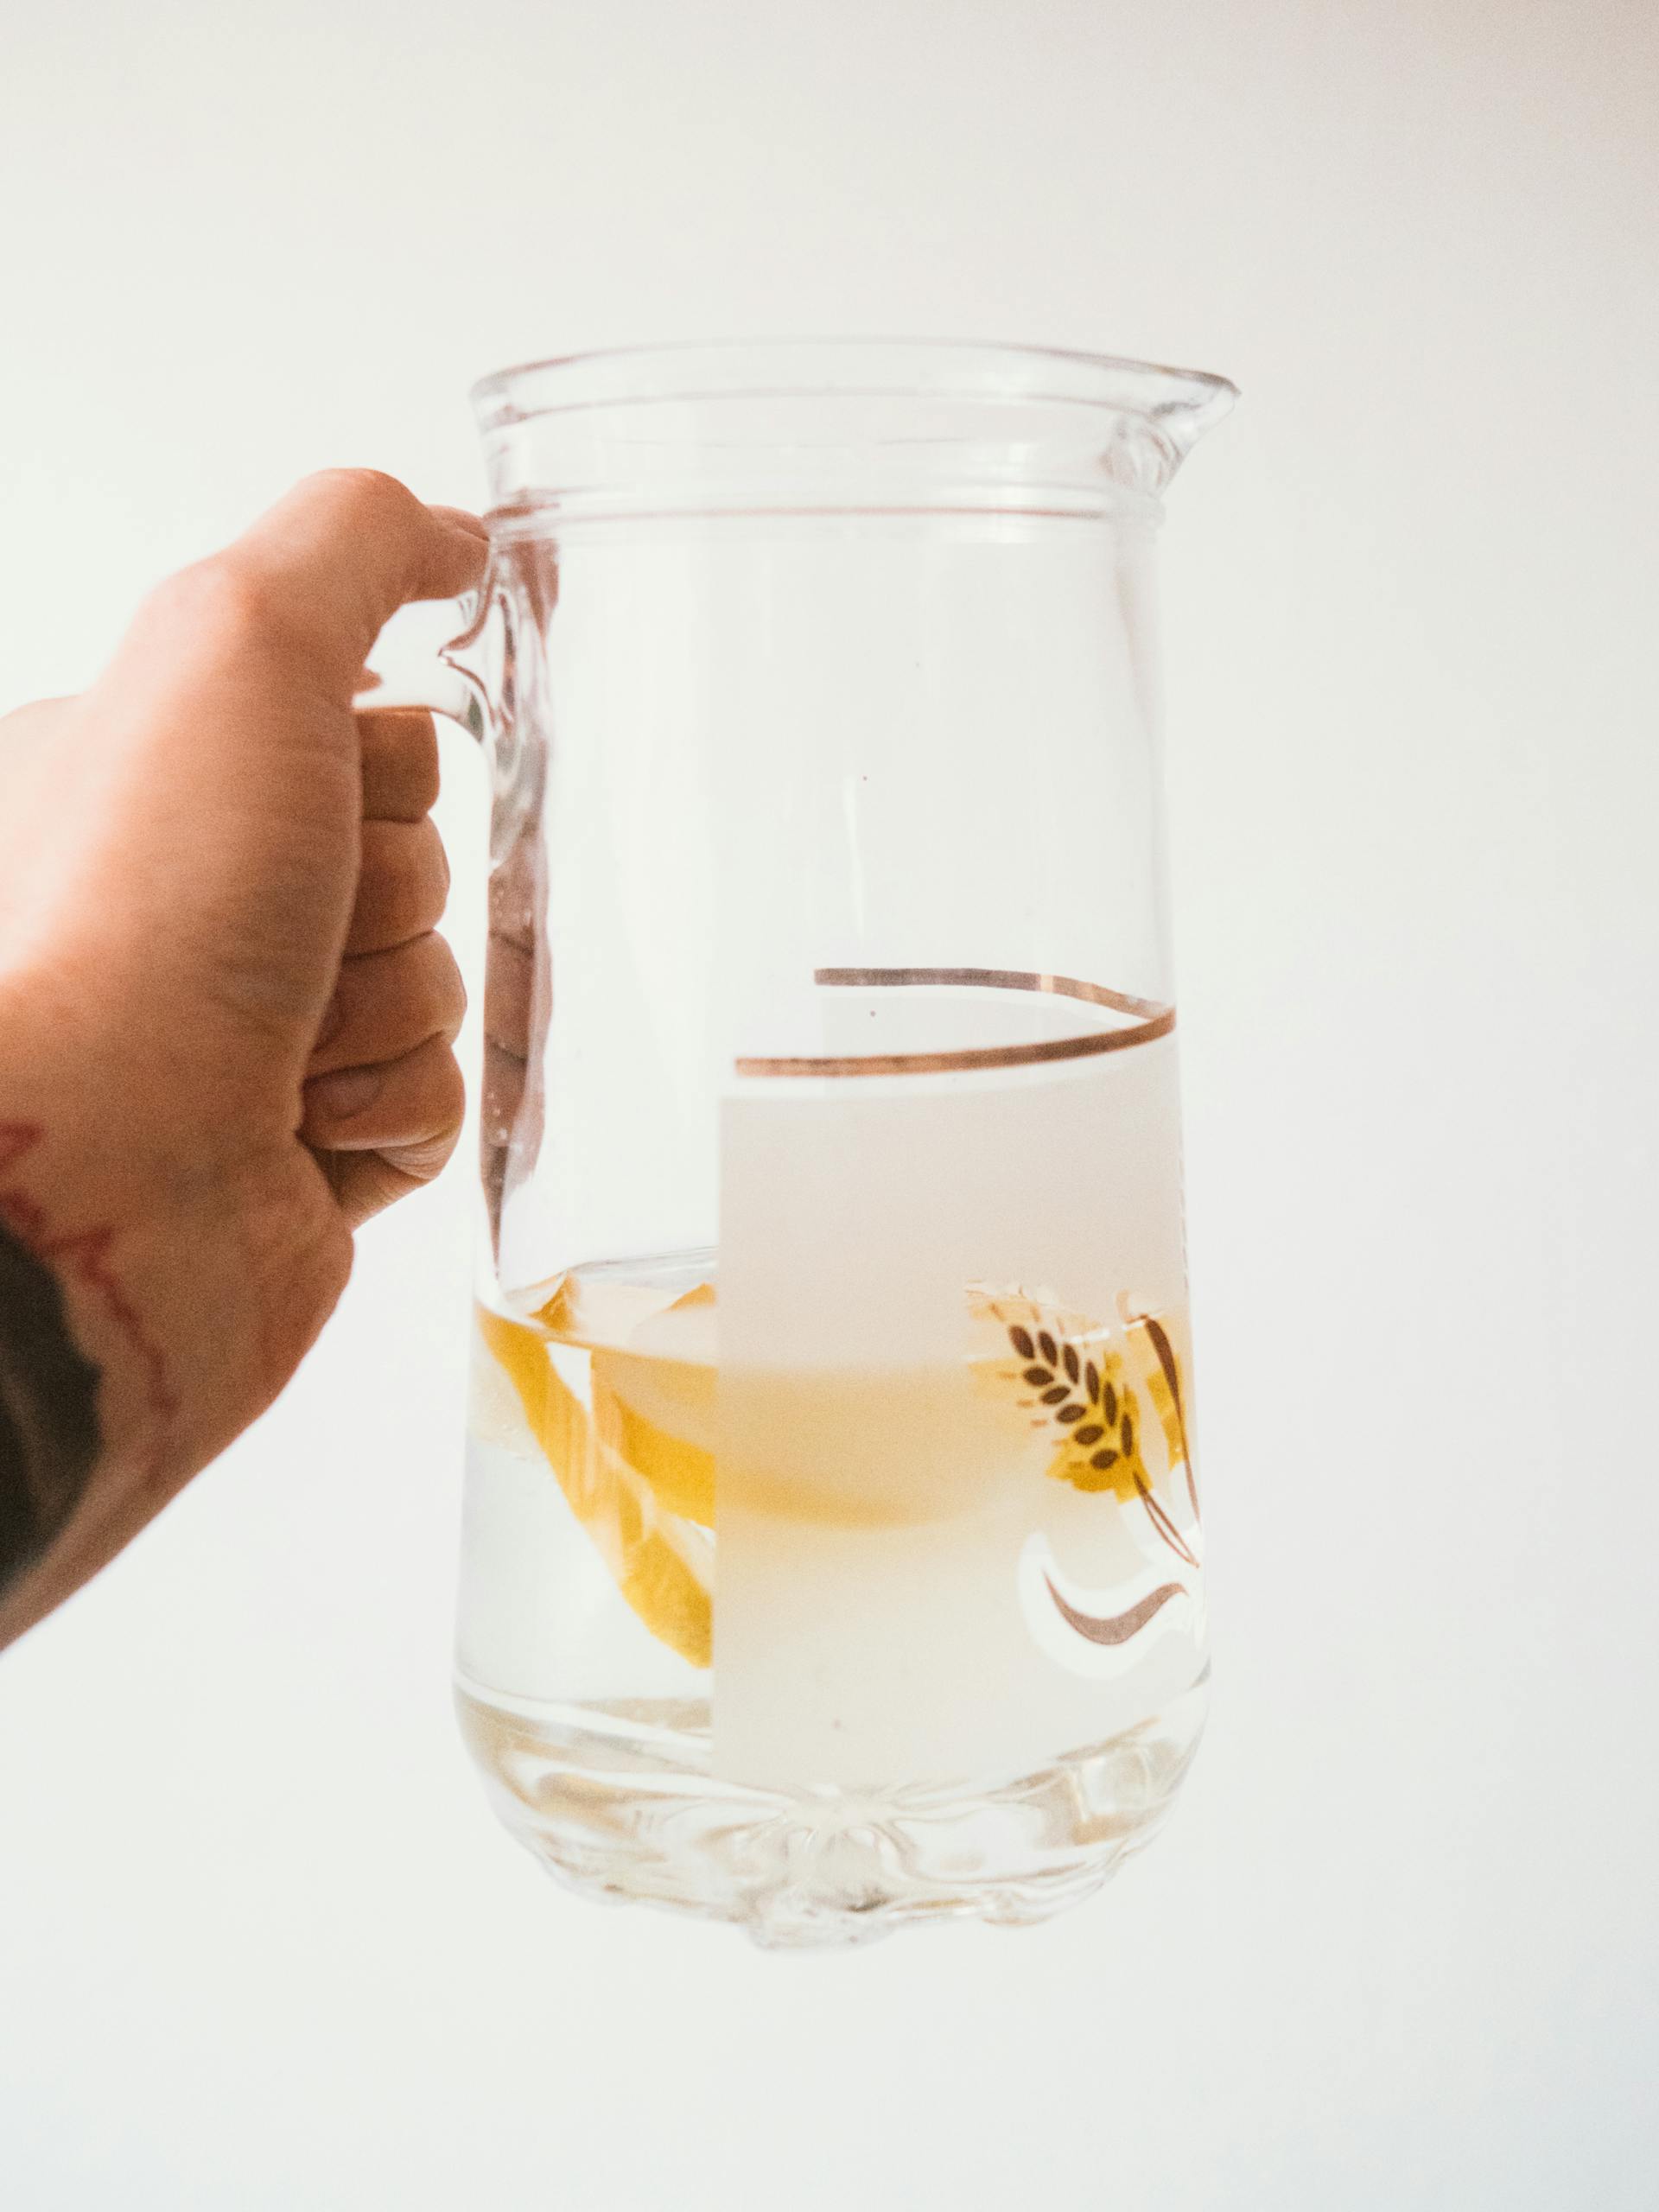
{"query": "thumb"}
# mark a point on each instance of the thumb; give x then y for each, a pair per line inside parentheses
(229, 749)
(333, 561)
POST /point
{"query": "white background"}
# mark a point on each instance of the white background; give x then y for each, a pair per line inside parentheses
(261, 1946)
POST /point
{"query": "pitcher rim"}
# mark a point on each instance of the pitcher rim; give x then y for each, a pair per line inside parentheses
(1181, 399)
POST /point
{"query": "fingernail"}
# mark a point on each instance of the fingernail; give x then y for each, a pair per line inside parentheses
(341, 1097)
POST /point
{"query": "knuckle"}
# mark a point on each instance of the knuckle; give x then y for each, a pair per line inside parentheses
(380, 846)
(451, 1096)
(434, 1091)
(451, 1090)
(430, 879)
(369, 493)
(424, 994)
(404, 864)
(446, 989)
(426, 867)
(425, 768)
(400, 765)
(218, 598)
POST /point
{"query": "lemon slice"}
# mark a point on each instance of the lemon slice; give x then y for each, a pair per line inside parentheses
(633, 1398)
(660, 1561)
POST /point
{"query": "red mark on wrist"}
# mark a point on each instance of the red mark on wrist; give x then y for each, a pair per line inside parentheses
(83, 1257)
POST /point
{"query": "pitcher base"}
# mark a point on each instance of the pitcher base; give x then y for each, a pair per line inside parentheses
(617, 1801)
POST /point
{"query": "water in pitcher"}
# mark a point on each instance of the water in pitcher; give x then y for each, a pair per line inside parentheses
(604, 1434)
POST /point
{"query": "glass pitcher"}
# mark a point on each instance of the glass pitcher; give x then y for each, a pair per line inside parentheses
(832, 1550)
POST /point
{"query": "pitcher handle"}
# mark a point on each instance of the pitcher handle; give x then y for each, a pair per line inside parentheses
(405, 670)
(472, 678)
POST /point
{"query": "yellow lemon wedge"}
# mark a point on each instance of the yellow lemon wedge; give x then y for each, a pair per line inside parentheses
(652, 1371)
(659, 1560)
(628, 1393)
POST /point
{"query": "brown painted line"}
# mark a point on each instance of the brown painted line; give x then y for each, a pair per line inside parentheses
(999, 979)
(1164, 1526)
(1116, 1627)
(1161, 1345)
(1158, 1022)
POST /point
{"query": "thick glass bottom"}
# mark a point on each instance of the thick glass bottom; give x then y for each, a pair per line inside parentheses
(618, 1801)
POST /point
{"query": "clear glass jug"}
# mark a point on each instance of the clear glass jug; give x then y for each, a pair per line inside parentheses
(832, 1551)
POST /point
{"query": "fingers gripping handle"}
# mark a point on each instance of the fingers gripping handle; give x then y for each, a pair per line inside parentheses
(472, 676)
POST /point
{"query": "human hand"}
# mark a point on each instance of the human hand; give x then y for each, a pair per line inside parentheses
(225, 1021)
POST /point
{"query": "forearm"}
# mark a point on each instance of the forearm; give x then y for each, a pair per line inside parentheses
(86, 1398)
(117, 1362)
(226, 1017)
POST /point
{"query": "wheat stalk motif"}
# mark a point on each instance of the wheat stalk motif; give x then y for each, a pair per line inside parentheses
(1093, 1386)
